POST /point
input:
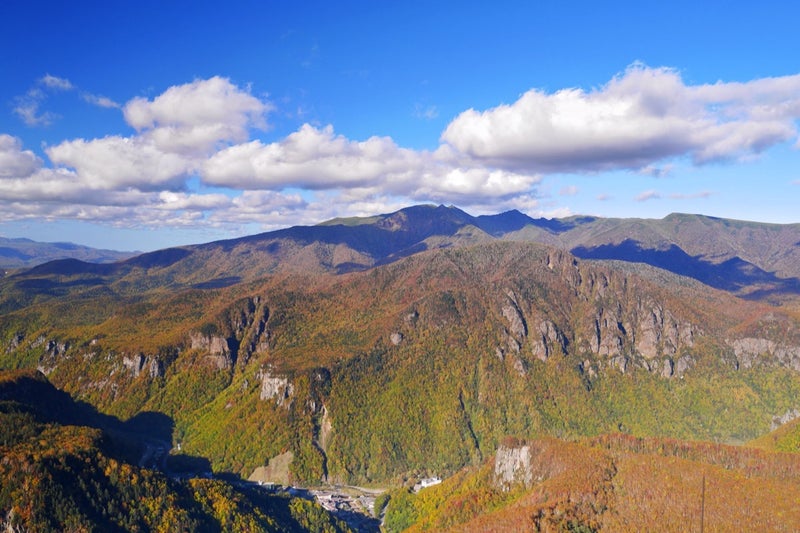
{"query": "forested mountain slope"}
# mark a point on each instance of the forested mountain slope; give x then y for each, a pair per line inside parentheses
(58, 477)
(421, 365)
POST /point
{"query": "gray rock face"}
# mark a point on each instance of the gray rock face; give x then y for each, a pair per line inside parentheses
(526, 463)
(217, 348)
(213, 344)
(516, 322)
(789, 356)
(607, 340)
(659, 333)
(14, 343)
(548, 338)
(276, 388)
(642, 333)
(788, 416)
(136, 364)
(625, 329)
(667, 368)
(512, 466)
(749, 350)
(683, 364)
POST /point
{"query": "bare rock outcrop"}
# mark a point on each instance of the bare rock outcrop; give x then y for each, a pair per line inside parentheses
(750, 350)
(608, 334)
(547, 339)
(277, 388)
(641, 332)
(217, 348)
(528, 462)
(512, 466)
(138, 363)
(788, 416)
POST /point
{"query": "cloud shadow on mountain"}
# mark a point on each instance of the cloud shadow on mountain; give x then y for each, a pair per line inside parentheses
(734, 275)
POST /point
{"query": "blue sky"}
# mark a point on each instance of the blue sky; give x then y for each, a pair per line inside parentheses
(141, 125)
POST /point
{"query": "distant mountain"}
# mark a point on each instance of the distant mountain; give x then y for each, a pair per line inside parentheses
(754, 260)
(25, 253)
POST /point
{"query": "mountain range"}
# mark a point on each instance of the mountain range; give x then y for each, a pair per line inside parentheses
(749, 259)
(25, 253)
(382, 350)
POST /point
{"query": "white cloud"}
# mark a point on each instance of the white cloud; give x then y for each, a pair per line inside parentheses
(318, 159)
(121, 162)
(198, 116)
(174, 201)
(177, 131)
(656, 171)
(422, 111)
(309, 158)
(640, 117)
(269, 209)
(691, 196)
(197, 136)
(100, 101)
(28, 109)
(28, 106)
(468, 186)
(14, 161)
(648, 195)
(54, 82)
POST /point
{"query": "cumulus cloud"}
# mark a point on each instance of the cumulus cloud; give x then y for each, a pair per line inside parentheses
(191, 158)
(268, 209)
(14, 161)
(197, 116)
(640, 117)
(176, 132)
(318, 159)
(310, 158)
(470, 186)
(121, 162)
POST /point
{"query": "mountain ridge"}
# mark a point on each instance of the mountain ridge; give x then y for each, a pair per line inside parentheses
(750, 259)
(16, 253)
